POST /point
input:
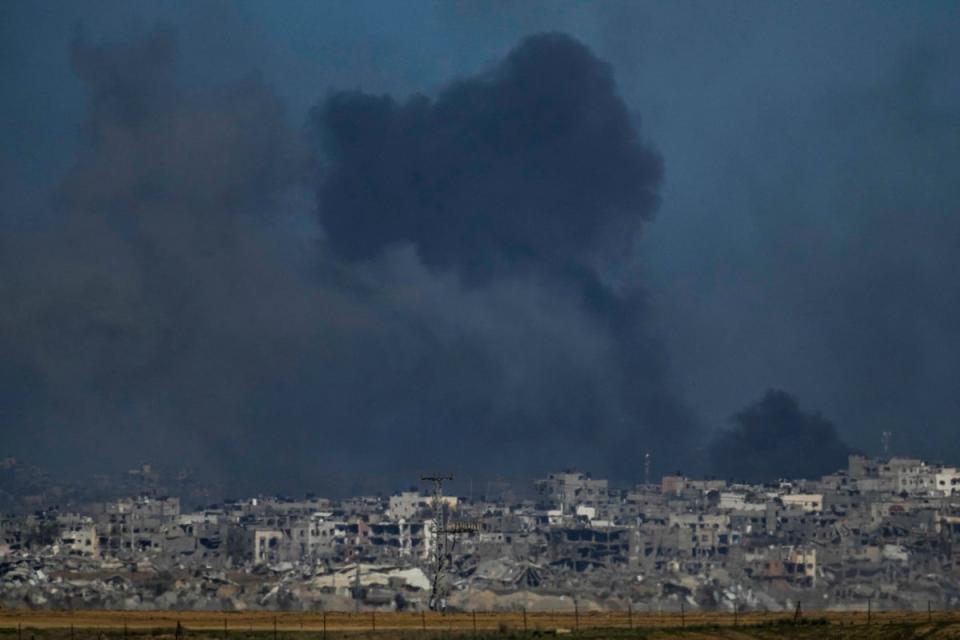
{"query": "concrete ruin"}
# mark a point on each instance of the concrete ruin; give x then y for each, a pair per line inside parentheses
(881, 531)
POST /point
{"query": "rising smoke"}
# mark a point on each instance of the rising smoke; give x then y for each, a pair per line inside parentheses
(532, 170)
(773, 438)
(458, 306)
(523, 168)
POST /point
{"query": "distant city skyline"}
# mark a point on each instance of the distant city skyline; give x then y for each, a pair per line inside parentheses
(879, 532)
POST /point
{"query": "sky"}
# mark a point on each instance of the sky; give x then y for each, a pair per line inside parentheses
(193, 270)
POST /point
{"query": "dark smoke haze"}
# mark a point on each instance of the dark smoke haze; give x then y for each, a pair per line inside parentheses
(330, 246)
(179, 305)
(773, 439)
(530, 175)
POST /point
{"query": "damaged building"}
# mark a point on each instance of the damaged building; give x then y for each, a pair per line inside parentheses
(879, 530)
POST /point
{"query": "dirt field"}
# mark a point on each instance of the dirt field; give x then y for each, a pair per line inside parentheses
(21, 624)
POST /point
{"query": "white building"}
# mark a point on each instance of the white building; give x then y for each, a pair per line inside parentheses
(809, 502)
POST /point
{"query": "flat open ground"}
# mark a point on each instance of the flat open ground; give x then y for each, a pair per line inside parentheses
(24, 624)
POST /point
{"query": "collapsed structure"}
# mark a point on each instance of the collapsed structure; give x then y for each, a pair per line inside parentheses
(883, 531)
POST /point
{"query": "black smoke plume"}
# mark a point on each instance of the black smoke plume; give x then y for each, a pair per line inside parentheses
(532, 169)
(180, 305)
(524, 167)
(774, 438)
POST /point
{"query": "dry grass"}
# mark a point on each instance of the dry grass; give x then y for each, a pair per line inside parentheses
(608, 624)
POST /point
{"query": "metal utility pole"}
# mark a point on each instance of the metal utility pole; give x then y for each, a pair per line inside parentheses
(885, 438)
(440, 545)
(443, 556)
(356, 589)
(646, 467)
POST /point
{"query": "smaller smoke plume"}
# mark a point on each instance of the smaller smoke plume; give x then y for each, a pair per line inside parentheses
(773, 438)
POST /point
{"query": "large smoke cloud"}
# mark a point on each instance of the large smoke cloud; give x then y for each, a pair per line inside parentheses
(180, 304)
(526, 166)
(533, 169)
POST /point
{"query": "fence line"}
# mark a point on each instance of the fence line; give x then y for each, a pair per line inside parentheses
(115, 624)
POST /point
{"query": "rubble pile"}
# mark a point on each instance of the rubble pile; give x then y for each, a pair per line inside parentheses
(883, 533)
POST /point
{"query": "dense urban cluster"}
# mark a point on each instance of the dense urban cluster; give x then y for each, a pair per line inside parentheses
(882, 533)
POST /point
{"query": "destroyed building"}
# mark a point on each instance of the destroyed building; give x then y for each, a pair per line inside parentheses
(885, 531)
